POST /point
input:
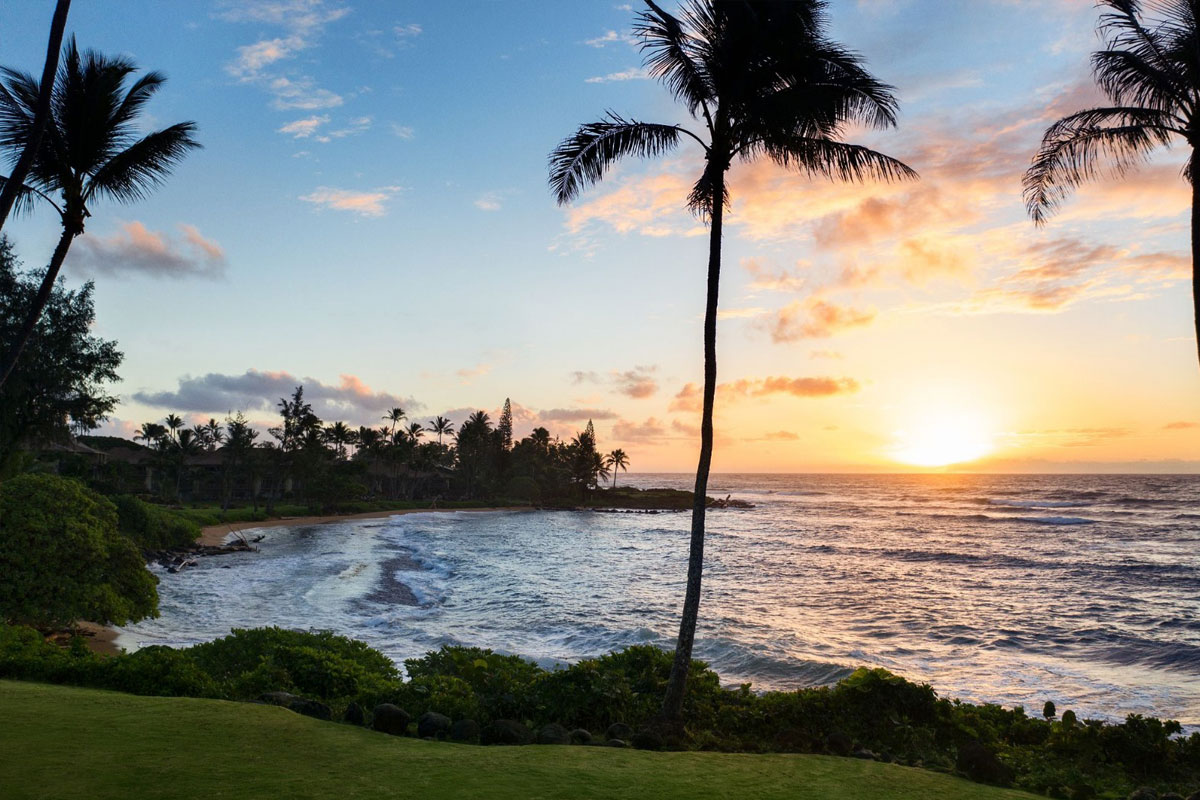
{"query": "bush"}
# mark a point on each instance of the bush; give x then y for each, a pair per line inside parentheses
(62, 559)
(152, 527)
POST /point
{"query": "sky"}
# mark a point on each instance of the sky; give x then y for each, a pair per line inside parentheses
(370, 217)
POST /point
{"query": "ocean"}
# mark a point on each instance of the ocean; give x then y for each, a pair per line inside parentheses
(1011, 589)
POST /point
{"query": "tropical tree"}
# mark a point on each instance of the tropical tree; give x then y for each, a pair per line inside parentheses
(90, 149)
(1150, 70)
(441, 426)
(415, 431)
(173, 422)
(151, 434)
(339, 435)
(394, 416)
(616, 460)
(237, 455)
(41, 113)
(761, 79)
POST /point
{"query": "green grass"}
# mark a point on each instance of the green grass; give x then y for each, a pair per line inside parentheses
(59, 742)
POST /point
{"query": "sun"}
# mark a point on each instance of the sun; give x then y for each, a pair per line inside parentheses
(941, 437)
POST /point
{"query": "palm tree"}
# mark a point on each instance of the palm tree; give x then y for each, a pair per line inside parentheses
(440, 426)
(174, 422)
(213, 434)
(339, 434)
(1150, 72)
(151, 433)
(415, 431)
(41, 113)
(616, 460)
(394, 416)
(761, 79)
(90, 149)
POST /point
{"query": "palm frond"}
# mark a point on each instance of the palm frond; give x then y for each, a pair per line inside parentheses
(672, 56)
(700, 200)
(581, 159)
(26, 198)
(1086, 145)
(137, 96)
(132, 173)
(1129, 79)
(836, 160)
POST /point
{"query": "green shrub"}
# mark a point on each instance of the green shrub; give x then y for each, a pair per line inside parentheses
(152, 527)
(524, 489)
(160, 671)
(62, 558)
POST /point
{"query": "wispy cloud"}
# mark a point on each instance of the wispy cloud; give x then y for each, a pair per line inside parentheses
(304, 128)
(368, 203)
(489, 201)
(612, 37)
(402, 131)
(137, 250)
(690, 397)
(631, 74)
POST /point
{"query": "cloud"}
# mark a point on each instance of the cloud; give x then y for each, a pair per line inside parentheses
(1181, 426)
(137, 250)
(489, 201)
(637, 383)
(467, 373)
(409, 31)
(815, 318)
(369, 203)
(690, 397)
(304, 128)
(402, 131)
(781, 436)
(578, 377)
(574, 414)
(763, 278)
(649, 431)
(352, 128)
(350, 400)
(740, 313)
(611, 37)
(302, 94)
(631, 74)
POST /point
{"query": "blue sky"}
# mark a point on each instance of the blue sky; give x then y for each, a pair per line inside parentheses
(371, 202)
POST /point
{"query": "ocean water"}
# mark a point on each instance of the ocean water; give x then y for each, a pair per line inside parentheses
(1084, 590)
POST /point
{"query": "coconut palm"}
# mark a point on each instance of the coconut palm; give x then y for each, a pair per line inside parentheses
(339, 434)
(441, 426)
(760, 79)
(616, 460)
(1150, 71)
(90, 149)
(394, 416)
(415, 431)
(151, 433)
(173, 422)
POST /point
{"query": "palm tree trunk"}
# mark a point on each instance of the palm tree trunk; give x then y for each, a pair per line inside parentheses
(673, 702)
(39, 305)
(41, 113)
(1196, 257)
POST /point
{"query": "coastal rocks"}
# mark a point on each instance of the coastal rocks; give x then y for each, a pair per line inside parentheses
(615, 743)
(580, 736)
(553, 733)
(839, 744)
(619, 730)
(647, 740)
(433, 725)
(277, 698)
(464, 730)
(390, 719)
(980, 764)
(301, 705)
(505, 731)
(354, 715)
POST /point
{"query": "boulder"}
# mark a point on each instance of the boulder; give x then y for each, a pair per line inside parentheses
(354, 715)
(311, 708)
(390, 719)
(505, 731)
(839, 744)
(980, 764)
(433, 725)
(619, 730)
(553, 733)
(464, 730)
(864, 753)
(647, 740)
(615, 743)
(580, 736)
(277, 698)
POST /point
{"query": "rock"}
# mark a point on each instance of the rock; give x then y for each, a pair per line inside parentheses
(980, 764)
(433, 725)
(839, 744)
(311, 708)
(580, 736)
(647, 740)
(505, 731)
(619, 730)
(553, 733)
(464, 730)
(354, 715)
(862, 752)
(615, 743)
(390, 719)
(277, 698)
(1144, 793)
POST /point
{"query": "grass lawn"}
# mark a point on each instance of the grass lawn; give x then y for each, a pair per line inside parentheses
(60, 742)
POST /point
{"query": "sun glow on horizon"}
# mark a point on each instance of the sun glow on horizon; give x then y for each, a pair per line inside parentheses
(939, 436)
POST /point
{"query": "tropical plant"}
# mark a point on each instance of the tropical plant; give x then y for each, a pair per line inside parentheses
(90, 149)
(394, 416)
(150, 434)
(173, 422)
(1150, 71)
(616, 460)
(441, 426)
(339, 435)
(415, 431)
(762, 79)
(41, 113)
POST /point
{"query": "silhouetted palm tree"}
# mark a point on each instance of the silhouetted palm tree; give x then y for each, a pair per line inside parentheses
(90, 149)
(762, 79)
(415, 431)
(440, 426)
(173, 422)
(394, 416)
(616, 460)
(339, 434)
(151, 433)
(1150, 70)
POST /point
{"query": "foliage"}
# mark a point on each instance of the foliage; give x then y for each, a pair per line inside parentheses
(153, 527)
(60, 380)
(62, 558)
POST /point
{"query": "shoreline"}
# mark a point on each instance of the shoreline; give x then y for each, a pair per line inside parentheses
(215, 535)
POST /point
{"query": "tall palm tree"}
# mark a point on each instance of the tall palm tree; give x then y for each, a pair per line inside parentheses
(173, 422)
(760, 78)
(616, 460)
(1150, 71)
(151, 433)
(90, 149)
(441, 426)
(339, 434)
(415, 431)
(394, 416)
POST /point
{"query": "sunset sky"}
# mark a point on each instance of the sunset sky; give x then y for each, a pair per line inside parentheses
(370, 217)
